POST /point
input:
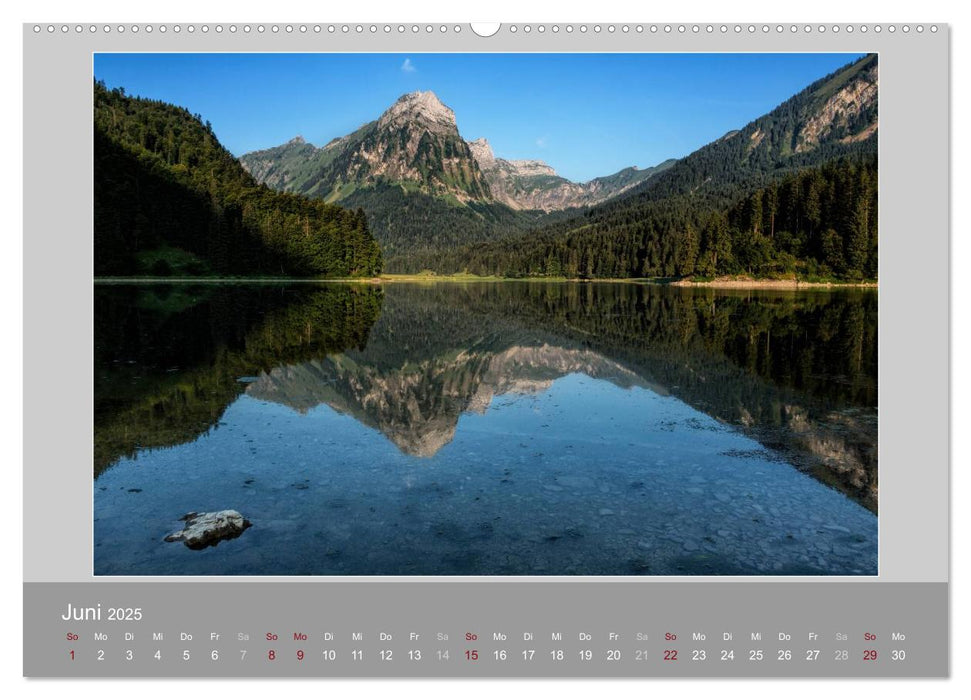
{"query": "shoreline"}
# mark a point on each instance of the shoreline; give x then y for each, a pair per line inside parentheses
(236, 280)
(718, 283)
(751, 283)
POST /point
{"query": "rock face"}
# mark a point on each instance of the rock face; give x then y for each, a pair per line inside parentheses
(844, 114)
(209, 529)
(840, 109)
(532, 184)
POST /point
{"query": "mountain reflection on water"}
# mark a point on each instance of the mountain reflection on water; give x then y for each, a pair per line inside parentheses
(488, 428)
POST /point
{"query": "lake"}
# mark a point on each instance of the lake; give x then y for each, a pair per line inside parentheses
(486, 429)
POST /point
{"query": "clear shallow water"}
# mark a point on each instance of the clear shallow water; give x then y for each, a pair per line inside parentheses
(452, 439)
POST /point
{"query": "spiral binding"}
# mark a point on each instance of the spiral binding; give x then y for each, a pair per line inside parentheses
(513, 29)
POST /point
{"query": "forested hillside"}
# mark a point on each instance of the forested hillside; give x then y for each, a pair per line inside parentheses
(169, 199)
(410, 223)
(834, 117)
(817, 222)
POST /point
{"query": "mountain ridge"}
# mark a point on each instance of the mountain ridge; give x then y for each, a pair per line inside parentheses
(834, 115)
(534, 184)
(415, 143)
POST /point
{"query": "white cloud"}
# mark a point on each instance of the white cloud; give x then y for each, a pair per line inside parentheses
(408, 66)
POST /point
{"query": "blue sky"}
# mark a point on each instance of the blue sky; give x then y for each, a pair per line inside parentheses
(584, 114)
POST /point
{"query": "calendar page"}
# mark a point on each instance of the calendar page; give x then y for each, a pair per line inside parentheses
(469, 350)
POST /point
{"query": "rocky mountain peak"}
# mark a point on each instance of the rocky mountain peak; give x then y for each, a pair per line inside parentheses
(419, 106)
(296, 141)
(483, 154)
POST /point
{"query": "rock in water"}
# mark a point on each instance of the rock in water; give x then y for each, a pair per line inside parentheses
(208, 529)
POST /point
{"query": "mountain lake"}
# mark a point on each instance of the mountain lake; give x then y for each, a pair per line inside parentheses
(486, 428)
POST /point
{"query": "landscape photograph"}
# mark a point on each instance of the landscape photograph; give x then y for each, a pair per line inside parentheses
(485, 314)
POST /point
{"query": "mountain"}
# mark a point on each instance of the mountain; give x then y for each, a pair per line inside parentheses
(409, 170)
(792, 192)
(415, 143)
(532, 184)
(169, 199)
(423, 187)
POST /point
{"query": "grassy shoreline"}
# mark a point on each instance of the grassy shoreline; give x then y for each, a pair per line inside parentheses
(764, 283)
(391, 278)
